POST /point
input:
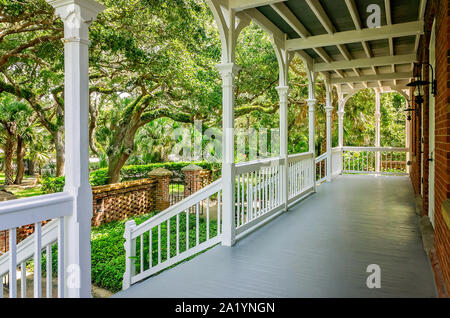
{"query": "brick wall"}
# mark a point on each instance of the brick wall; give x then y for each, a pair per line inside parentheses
(438, 9)
(120, 201)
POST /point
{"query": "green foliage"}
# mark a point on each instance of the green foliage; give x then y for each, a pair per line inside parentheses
(128, 173)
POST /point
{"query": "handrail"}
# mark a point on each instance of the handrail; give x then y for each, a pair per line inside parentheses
(16, 213)
(321, 157)
(254, 165)
(391, 149)
(299, 157)
(173, 210)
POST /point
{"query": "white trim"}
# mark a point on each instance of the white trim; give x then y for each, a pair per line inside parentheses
(383, 32)
(373, 78)
(366, 62)
(239, 5)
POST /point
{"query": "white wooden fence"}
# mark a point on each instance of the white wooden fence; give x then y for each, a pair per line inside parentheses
(375, 160)
(321, 168)
(162, 241)
(18, 213)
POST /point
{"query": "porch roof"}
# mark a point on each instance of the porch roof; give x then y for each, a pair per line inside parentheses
(333, 36)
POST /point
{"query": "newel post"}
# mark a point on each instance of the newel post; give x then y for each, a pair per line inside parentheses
(77, 16)
(130, 253)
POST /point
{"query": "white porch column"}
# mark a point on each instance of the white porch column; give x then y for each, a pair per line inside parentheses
(312, 122)
(377, 128)
(229, 26)
(284, 60)
(329, 112)
(341, 113)
(228, 72)
(77, 15)
(283, 93)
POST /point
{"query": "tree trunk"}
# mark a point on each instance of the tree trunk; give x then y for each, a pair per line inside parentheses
(115, 164)
(20, 154)
(60, 152)
(9, 157)
(31, 167)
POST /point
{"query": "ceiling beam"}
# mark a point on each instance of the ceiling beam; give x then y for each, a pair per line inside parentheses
(322, 16)
(373, 78)
(320, 13)
(239, 5)
(394, 30)
(367, 62)
(265, 24)
(284, 12)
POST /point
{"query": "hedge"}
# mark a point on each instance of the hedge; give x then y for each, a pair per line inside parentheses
(128, 173)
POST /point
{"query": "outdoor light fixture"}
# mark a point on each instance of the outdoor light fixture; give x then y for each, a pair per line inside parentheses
(418, 82)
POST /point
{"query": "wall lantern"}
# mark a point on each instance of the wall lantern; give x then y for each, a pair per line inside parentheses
(418, 82)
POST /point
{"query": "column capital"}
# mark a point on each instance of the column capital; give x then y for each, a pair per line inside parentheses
(77, 15)
(329, 109)
(228, 69)
(311, 104)
(341, 112)
(282, 89)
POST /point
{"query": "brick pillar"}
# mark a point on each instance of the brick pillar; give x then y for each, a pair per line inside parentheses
(162, 176)
(195, 178)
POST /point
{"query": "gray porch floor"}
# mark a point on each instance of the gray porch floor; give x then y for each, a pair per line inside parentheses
(320, 248)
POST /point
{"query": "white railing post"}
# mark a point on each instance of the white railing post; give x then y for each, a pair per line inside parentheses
(77, 15)
(228, 72)
(130, 252)
(283, 93)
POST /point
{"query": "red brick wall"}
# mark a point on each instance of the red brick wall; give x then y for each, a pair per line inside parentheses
(116, 202)
(438, 9)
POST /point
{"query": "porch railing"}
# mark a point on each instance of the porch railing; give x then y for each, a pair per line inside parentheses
(300, 175)
(173, 235)
(258, 192)
(18, 213)
(336, 161)
(321, 168)
(375, 160)
(180, 231)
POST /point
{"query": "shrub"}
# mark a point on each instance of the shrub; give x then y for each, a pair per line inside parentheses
(128, 173)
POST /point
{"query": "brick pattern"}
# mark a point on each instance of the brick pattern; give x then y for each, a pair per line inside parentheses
(120, 201)
(438, 9)
(196, 180)
(22, 233)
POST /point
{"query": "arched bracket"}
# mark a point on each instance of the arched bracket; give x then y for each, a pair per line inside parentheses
(230, 25)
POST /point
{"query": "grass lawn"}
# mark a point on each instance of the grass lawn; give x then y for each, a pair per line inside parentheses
(22, 191)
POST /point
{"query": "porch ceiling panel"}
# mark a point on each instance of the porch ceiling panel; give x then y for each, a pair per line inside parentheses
(334, 31)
